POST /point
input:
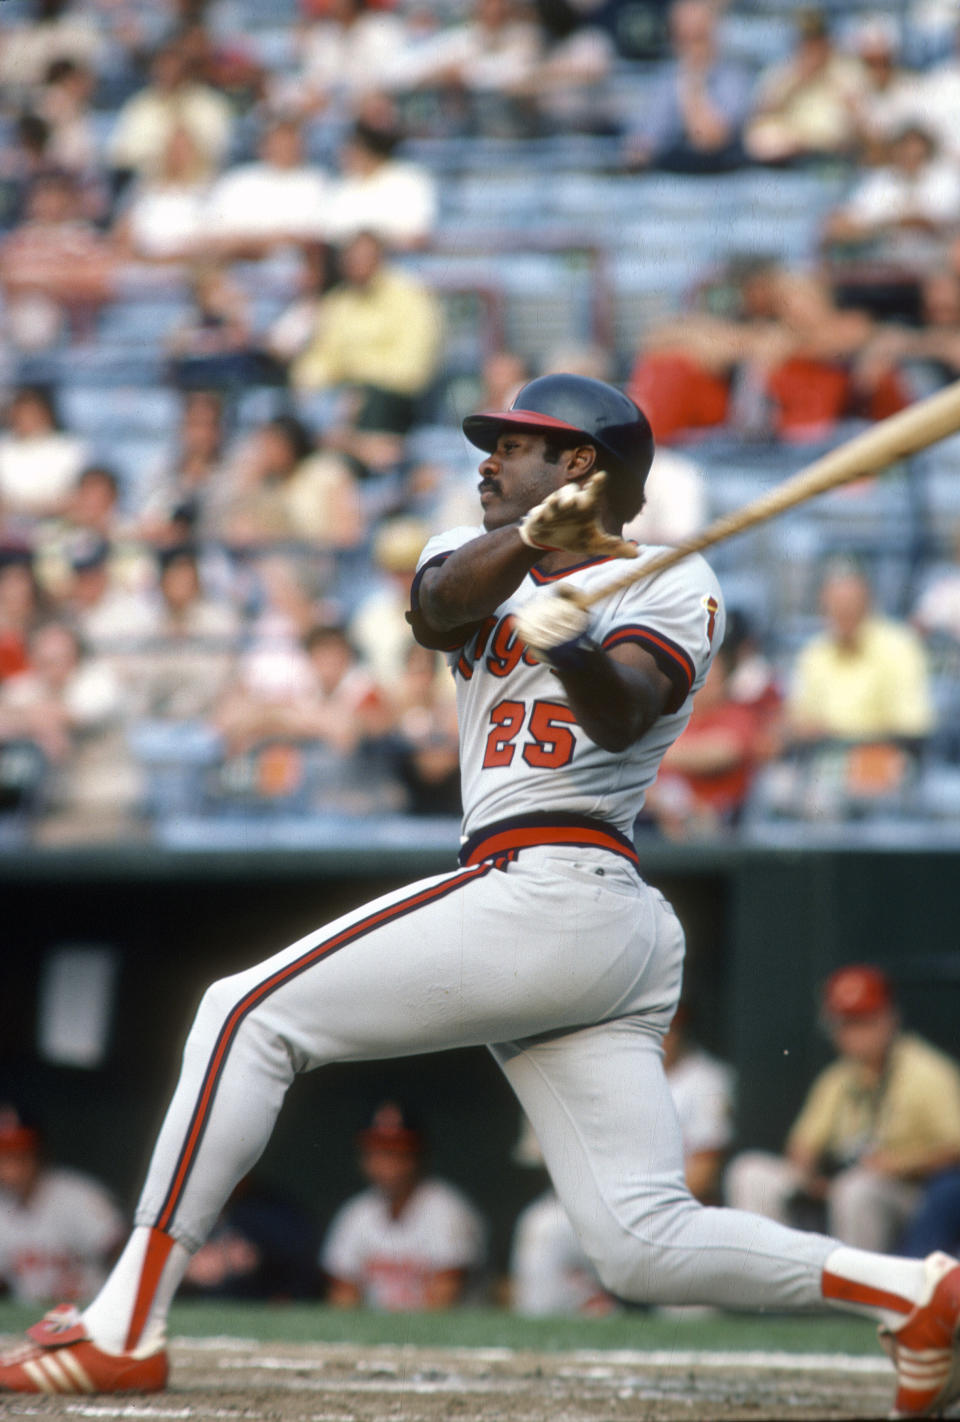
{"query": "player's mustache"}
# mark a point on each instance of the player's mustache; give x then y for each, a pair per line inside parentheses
(486, 484)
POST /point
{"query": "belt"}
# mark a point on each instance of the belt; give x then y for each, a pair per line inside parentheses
(504, 839)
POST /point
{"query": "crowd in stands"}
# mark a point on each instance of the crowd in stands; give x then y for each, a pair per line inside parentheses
(256, 264)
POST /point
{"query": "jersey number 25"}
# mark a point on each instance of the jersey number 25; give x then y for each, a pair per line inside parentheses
(551, 743)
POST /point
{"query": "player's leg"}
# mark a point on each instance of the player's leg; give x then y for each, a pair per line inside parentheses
(600, 1106)
(447, 962)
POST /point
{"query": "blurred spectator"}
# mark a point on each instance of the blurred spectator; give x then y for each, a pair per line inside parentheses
(568, 85)
(782, 358)
(550, 1274)
(378, 333)
(349, 50)
(937, 610)
(697, 106)
(937, 98)
(109, 614)
(214, 345)
(184, 665)
(91, 518)
(925, 356)
(39, 461)
(675, 502)
(263, 1246)
(72, 707)
(409, 1241)
(752, 682)
(864, 677)
(284, 488)
(56, 269)
(705, 777)
(162, 217)
(64, 102)
(54, 30)
(171, 100)
(376, 192)
(58, 1229)
(278, 199)
(24, 155)
(805, 107)
(476, 67)
(890, 93)
(902, 211)
(22, 605)
(323, 694)
(183, 493)
(426, 751)
(879, 1121)
(378, 627)
(292, 331)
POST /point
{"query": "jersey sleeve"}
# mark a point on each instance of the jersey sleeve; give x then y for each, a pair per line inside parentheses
(437, 551)
(677, 617)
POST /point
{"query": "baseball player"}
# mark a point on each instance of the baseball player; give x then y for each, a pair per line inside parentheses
(546, 943)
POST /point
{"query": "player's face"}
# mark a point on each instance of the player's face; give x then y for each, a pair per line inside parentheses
(516, 477)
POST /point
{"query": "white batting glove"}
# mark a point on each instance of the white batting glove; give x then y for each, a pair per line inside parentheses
(551, 624)
(568, 519)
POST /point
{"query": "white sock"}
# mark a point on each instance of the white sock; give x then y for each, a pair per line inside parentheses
(880, 1286)
(129, 1314)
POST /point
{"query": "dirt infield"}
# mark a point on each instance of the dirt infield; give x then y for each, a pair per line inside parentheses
(219, 1379)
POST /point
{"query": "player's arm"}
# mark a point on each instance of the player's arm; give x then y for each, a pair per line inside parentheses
(454, 594)
(616, 696)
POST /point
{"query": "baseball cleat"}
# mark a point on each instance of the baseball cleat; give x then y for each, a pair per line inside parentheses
(59, 1356)
(926, 1346)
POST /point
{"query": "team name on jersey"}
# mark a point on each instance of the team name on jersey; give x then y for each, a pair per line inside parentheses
(497, 646)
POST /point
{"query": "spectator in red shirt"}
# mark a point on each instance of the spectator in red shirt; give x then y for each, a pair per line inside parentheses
(706, 775)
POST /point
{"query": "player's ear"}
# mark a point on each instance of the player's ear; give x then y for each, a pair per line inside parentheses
(581, 462)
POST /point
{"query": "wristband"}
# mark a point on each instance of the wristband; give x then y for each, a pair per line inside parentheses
(573, 656)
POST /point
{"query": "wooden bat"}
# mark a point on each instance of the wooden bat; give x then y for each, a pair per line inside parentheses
(909, 431)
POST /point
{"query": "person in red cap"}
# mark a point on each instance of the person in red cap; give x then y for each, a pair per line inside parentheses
(408, 1241)
(878, 1123)
(58, 1228)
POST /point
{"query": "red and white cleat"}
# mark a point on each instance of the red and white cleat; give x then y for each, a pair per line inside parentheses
(926, 1346)
(59, 1357)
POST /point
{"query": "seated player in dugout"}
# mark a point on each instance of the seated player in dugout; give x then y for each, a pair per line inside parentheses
(547, 944)
(409, 1241)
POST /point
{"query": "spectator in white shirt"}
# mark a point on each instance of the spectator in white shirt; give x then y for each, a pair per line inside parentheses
(376, 192)
(164, 217)
(353, 51)
(905, 209)
(39, 461)
(278, 199)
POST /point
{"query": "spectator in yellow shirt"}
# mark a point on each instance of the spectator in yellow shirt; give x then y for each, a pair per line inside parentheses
(877, 1126)
(378, 333)
(864, 678)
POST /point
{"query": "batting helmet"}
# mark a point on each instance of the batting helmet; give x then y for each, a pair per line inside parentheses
(574, 404)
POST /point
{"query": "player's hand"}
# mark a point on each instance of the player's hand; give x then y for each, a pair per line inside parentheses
(568, 519)
(550, 622)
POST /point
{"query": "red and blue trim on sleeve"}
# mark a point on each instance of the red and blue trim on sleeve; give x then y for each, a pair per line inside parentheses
(672, 659)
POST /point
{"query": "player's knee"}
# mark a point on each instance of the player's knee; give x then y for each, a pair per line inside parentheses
(218, 1002)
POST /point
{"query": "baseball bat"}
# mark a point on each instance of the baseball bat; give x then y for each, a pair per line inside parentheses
(917, 427)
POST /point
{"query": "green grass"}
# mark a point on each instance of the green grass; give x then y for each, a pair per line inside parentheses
(478, 1328)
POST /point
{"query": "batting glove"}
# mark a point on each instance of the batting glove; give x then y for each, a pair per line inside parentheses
(568, 519)
(553, 624)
